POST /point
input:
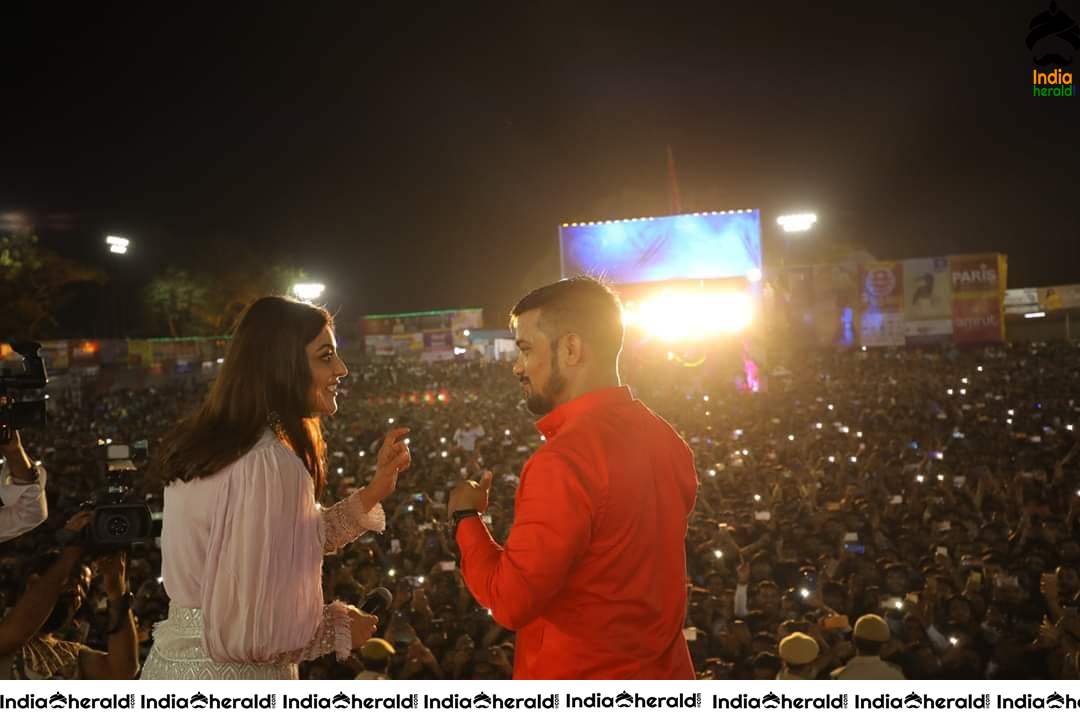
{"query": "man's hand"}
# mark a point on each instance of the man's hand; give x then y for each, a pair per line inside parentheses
(113, 571)
(470, 495)
(742, 575)
(75, 525)
(1048, 585)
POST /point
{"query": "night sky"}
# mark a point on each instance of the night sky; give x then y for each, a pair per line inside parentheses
(421, 158)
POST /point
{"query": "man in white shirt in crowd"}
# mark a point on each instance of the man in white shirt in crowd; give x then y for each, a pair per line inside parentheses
(22, 490)
(871, 634)
(466, 438)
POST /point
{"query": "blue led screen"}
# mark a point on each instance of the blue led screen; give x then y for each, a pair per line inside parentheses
(696, 247)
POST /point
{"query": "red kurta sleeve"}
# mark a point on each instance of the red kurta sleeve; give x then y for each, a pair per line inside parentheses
(552, 529)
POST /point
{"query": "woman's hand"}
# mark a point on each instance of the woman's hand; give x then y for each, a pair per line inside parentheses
(362, 626)
(393, 458)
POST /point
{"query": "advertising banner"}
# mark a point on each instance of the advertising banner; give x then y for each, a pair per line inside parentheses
(439, 340)
(408, 344)
(977, 320)
(883, 287)
(379, 345)
(881, 329)
(1059, 297)
(927, 300)
(881, 321)
(978, 287)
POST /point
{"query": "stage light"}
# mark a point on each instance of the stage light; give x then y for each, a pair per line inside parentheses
(466, 332)
(118, 245)
(718, 554)
(308, 291)
(979, 369)
(799, 222)
(791, 438)
(682, 315)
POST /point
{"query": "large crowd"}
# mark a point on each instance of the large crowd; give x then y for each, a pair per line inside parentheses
(936, 488)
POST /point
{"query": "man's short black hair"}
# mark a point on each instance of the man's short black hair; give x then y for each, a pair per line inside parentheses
(867, 647)
(582, 305)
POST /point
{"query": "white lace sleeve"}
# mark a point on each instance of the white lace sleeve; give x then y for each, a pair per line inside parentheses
(345, 521)
(334, 634)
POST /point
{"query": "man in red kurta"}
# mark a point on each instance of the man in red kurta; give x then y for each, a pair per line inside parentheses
(593, 574)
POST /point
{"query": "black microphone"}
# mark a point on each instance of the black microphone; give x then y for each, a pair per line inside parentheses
(377, 600)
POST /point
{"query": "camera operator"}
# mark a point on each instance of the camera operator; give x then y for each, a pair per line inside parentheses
(57, 584)
(22, 490)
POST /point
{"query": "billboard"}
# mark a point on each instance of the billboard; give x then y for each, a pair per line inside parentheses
(927, 300)
(978, 289)
(881, 321)
(426, 335)
(698, 246)
(958, 298)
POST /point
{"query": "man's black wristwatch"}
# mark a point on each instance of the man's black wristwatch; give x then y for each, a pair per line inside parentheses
(460, 515)
(118, 612)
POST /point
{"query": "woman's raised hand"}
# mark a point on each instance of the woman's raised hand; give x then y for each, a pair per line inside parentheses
(392, 459)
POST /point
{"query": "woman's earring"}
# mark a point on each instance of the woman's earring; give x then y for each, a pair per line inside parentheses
(274, 421)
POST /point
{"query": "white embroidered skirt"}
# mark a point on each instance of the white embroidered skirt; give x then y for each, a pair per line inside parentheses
(179, 654)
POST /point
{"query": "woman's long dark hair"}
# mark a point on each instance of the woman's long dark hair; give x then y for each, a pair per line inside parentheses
(265, 378)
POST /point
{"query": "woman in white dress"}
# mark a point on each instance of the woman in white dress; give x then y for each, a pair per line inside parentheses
(243, 535)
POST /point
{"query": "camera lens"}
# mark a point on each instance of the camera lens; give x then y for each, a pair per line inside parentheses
(118, 526)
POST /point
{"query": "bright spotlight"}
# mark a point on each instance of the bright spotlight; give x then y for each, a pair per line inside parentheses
(799, 222)
(118, 245)
(308, 291)
(679, 315)
(754, 275)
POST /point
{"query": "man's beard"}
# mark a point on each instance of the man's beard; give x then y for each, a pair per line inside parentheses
(542, 400)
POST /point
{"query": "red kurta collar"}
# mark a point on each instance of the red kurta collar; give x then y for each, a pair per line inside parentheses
(550, 424)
